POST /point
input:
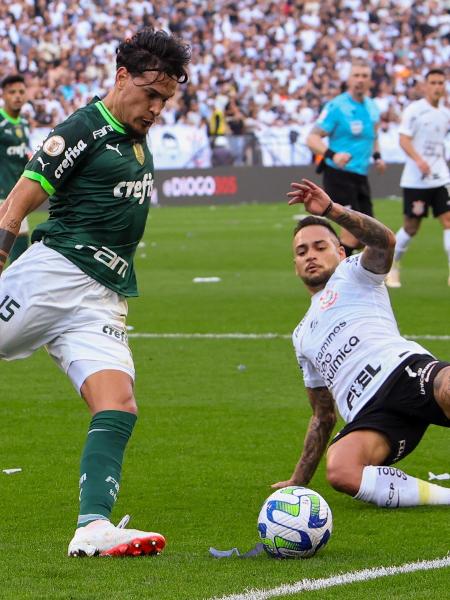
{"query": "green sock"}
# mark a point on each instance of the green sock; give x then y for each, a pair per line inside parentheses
(19, 246)
(101, 463)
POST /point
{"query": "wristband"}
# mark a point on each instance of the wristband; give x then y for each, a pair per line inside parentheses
(328, 208)
(329, 154)
(376, 156)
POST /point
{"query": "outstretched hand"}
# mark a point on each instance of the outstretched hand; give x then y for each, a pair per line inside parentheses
(314, 198)
(283, 484)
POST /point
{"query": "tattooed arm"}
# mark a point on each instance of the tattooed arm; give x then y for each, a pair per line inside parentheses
(23, 199)
(379, 241)
(319, 430)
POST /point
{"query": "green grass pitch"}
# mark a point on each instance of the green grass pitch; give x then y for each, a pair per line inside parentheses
(211, 437)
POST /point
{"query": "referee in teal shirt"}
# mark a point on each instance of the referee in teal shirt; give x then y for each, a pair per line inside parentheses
(350, 122)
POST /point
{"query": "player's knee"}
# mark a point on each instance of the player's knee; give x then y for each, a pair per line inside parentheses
(127, 403)
(411, 230)
(343, 478)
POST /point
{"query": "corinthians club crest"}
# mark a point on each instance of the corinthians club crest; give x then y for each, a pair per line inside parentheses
(139, 152)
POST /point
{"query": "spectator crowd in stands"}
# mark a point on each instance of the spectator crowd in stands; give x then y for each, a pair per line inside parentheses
(255, 64)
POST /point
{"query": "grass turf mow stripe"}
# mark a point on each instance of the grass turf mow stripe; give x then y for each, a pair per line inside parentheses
(308, 585)
(253, 336)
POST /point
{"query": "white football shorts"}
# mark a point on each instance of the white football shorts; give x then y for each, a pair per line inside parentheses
(45, 300)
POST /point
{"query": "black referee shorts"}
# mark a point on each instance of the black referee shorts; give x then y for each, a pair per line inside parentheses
(403, 407)
(348, 189)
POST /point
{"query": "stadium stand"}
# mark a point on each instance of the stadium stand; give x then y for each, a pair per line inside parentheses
(257, 65)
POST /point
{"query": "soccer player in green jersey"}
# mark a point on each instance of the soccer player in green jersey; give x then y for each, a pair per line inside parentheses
(14, 148)
(69, 290)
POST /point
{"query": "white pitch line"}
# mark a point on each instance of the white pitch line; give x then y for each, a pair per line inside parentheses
(253, 336)
(308, 585)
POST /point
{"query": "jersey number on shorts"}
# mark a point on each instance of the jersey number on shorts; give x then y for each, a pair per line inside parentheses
(7, 307)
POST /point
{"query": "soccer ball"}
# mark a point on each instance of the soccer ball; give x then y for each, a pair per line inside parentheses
(294, 522)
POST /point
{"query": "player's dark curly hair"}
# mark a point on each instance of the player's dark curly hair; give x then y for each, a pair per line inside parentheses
(150, 50)
(10, 79)
(314, 220)
(435, 72)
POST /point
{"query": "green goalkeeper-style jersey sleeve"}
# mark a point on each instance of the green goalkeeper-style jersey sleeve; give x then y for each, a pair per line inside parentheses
(99, 180)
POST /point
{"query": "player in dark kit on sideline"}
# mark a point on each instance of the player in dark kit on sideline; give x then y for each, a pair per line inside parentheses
(350, 122)
(14, 149)
(386, 388)
(69, 289)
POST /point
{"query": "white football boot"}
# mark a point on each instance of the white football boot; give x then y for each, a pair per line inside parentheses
(102, 538)
(393, 277)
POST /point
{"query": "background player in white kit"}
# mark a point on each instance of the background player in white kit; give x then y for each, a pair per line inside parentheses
(426, 176)
(386, 388)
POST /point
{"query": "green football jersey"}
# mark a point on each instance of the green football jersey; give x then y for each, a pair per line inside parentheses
(14, 150)
(99, 181)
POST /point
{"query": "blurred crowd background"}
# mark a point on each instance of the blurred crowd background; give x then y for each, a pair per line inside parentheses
(257, 65)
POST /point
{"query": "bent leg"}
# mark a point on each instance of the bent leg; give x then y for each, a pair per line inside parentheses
(404, 235)
(109, 389)
(109, 395)
(347, 458)
(355, 467)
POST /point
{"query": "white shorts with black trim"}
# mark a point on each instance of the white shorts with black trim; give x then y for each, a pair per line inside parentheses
(45, 300)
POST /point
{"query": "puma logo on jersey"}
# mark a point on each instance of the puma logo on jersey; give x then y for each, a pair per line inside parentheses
(42, 163)
(115, 148)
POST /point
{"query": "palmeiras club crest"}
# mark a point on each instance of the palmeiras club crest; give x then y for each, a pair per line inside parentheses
(139, 153)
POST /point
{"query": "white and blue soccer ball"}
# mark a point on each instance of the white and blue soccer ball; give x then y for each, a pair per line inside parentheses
(294, 522)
